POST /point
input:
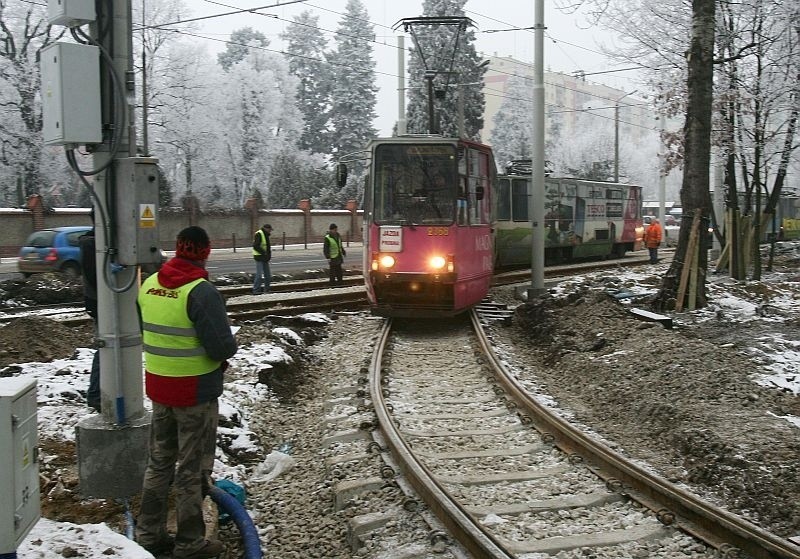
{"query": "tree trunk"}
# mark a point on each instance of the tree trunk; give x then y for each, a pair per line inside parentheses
(697, 132)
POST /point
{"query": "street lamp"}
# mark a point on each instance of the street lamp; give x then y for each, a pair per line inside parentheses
(616, 134)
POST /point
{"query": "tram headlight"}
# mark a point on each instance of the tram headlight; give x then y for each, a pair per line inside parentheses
(437, 262)
(386, 261)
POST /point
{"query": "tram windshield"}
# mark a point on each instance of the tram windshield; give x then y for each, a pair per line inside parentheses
(415, 184)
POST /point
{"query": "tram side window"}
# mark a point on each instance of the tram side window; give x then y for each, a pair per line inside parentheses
(503, 198)
(519, 199)
(478, 182)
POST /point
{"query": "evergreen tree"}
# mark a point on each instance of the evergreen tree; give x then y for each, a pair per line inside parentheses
(450, 52)
(296, 175)
(354, 90)
(239, 46)
(306, 47)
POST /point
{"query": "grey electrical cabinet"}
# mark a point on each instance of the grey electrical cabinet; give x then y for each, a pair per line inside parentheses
(70, 12)
(137, 211)
(71, 94)
(19, 461)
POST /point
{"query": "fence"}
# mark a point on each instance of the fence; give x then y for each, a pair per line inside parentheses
(226, 229)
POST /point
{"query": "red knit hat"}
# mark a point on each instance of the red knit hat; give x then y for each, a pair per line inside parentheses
(193, 244)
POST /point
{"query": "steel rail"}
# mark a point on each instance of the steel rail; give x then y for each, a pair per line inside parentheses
(458, 521)
(720, 528)
(297, 286)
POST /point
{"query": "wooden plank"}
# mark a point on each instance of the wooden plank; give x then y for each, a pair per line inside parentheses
(665, 321)
(746, 233)
(686, 262)
(693, 273)
(722, 261)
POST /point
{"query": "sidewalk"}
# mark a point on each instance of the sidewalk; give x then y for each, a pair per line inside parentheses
(8, 265)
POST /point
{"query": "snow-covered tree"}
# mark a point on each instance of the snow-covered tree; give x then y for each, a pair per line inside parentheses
(260, 119)
(450, 52)
(512, 132)
(353, 94)
(306, 46)
(152, 58)
(755, 97)
(25, 33)
(184, 136)
(239, 46)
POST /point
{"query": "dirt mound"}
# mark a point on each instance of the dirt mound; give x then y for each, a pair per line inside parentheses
(682, 400)
(30, 339)
(40, 289)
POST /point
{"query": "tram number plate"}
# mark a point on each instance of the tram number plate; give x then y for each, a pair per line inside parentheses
(438, 231)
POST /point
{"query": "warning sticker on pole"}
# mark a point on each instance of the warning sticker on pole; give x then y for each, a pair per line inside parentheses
(147, 215)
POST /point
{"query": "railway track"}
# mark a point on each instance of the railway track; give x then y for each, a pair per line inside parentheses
(295, 297)
(509, 478)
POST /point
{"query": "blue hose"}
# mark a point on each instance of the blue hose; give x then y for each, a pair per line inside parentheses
(228, 503)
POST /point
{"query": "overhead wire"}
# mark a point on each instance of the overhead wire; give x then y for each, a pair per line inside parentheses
(235, 12)
(357, 38)
(499, 94)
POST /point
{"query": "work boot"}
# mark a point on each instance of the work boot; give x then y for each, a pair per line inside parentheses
(162, 547)
(211, 548)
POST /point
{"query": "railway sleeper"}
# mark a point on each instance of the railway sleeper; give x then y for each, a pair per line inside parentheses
(527, 475)
(557, 544)
(594, 499)
(346, 436)
(345, 491)
(359, 527)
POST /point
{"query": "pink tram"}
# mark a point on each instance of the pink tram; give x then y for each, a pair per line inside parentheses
(428, 246)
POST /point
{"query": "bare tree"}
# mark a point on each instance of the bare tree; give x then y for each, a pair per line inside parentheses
(25, 33)
(695, 197)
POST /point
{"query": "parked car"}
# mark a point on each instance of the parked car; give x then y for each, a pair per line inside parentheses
(52, 250)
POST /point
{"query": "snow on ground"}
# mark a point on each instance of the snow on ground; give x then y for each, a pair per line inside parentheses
(62, 384)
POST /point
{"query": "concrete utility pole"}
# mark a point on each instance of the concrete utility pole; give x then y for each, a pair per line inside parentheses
(145, 141)
(616, 136)
(112, 446)
(536, 204)
(662, 186)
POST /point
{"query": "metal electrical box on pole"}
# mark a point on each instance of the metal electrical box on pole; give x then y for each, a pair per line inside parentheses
(137, 211)
(71, 13)
(71, 94)
(19, 462)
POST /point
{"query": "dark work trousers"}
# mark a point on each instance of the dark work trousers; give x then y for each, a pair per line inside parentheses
(336, 274)
(186, 436)
(93, 393)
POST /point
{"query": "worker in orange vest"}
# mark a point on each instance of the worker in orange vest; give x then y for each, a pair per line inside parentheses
(652, 239)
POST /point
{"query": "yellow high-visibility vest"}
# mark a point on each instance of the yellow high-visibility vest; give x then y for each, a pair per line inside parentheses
(171, 345)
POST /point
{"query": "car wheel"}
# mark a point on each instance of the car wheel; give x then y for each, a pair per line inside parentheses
(26, 275)
(71, 269)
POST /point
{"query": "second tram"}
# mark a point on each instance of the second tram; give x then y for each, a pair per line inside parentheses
(583, 219)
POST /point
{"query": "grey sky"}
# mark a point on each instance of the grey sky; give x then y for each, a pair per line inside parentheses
(569, 46)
